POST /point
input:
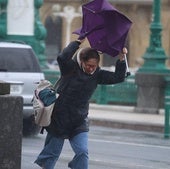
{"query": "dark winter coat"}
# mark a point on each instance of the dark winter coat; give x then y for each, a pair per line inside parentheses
(76, 87)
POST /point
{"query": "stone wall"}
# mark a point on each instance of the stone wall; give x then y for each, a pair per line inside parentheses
(10, 131)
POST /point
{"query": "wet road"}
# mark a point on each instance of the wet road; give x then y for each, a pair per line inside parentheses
(109, 149)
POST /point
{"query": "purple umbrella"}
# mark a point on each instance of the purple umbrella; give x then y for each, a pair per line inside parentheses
(104, 26)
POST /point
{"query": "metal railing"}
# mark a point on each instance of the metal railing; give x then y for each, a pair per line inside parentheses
(124, 93)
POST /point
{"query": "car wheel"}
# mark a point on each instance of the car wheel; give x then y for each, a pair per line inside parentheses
(29, 127)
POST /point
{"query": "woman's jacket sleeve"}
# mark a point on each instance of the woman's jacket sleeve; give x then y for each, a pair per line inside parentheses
(108, 77)
(65, 57)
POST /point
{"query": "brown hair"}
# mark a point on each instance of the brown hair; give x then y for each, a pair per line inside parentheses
(89, 53)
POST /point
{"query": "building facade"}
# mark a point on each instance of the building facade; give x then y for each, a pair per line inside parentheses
(65, 16)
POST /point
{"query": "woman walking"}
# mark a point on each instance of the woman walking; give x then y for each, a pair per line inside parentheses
(80, 75)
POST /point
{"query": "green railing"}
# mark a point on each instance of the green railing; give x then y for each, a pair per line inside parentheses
(124, 93)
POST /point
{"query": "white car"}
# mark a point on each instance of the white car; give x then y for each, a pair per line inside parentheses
(19, 66)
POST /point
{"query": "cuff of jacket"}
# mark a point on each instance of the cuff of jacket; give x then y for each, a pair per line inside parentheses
(78, 41)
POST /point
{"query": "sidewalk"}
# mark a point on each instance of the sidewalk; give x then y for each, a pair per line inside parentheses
(125, 117)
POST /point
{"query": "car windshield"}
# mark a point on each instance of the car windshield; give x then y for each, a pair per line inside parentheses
(18, 60)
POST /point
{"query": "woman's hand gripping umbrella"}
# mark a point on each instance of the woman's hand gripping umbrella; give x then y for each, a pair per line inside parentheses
(122, 56)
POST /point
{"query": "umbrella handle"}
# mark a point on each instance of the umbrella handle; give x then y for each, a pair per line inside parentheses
(127, 67)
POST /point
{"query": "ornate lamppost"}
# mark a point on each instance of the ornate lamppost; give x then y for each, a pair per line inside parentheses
(155, 56)
(150, 77)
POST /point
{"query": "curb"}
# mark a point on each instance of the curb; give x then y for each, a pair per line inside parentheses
(123, 124)
(111, 107)
(126, 125)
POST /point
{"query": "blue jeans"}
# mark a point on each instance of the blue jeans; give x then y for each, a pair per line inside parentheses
(53, 147)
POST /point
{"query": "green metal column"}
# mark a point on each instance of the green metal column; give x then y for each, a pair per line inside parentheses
(3, 18)
(167, 109)
(150, 77)
(155, 55)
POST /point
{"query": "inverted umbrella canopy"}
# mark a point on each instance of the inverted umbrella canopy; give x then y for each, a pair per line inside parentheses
(104, 26)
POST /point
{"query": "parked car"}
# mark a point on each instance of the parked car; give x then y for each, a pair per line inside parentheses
(19, 66)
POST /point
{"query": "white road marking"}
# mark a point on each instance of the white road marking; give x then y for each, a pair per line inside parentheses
(131, 144)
